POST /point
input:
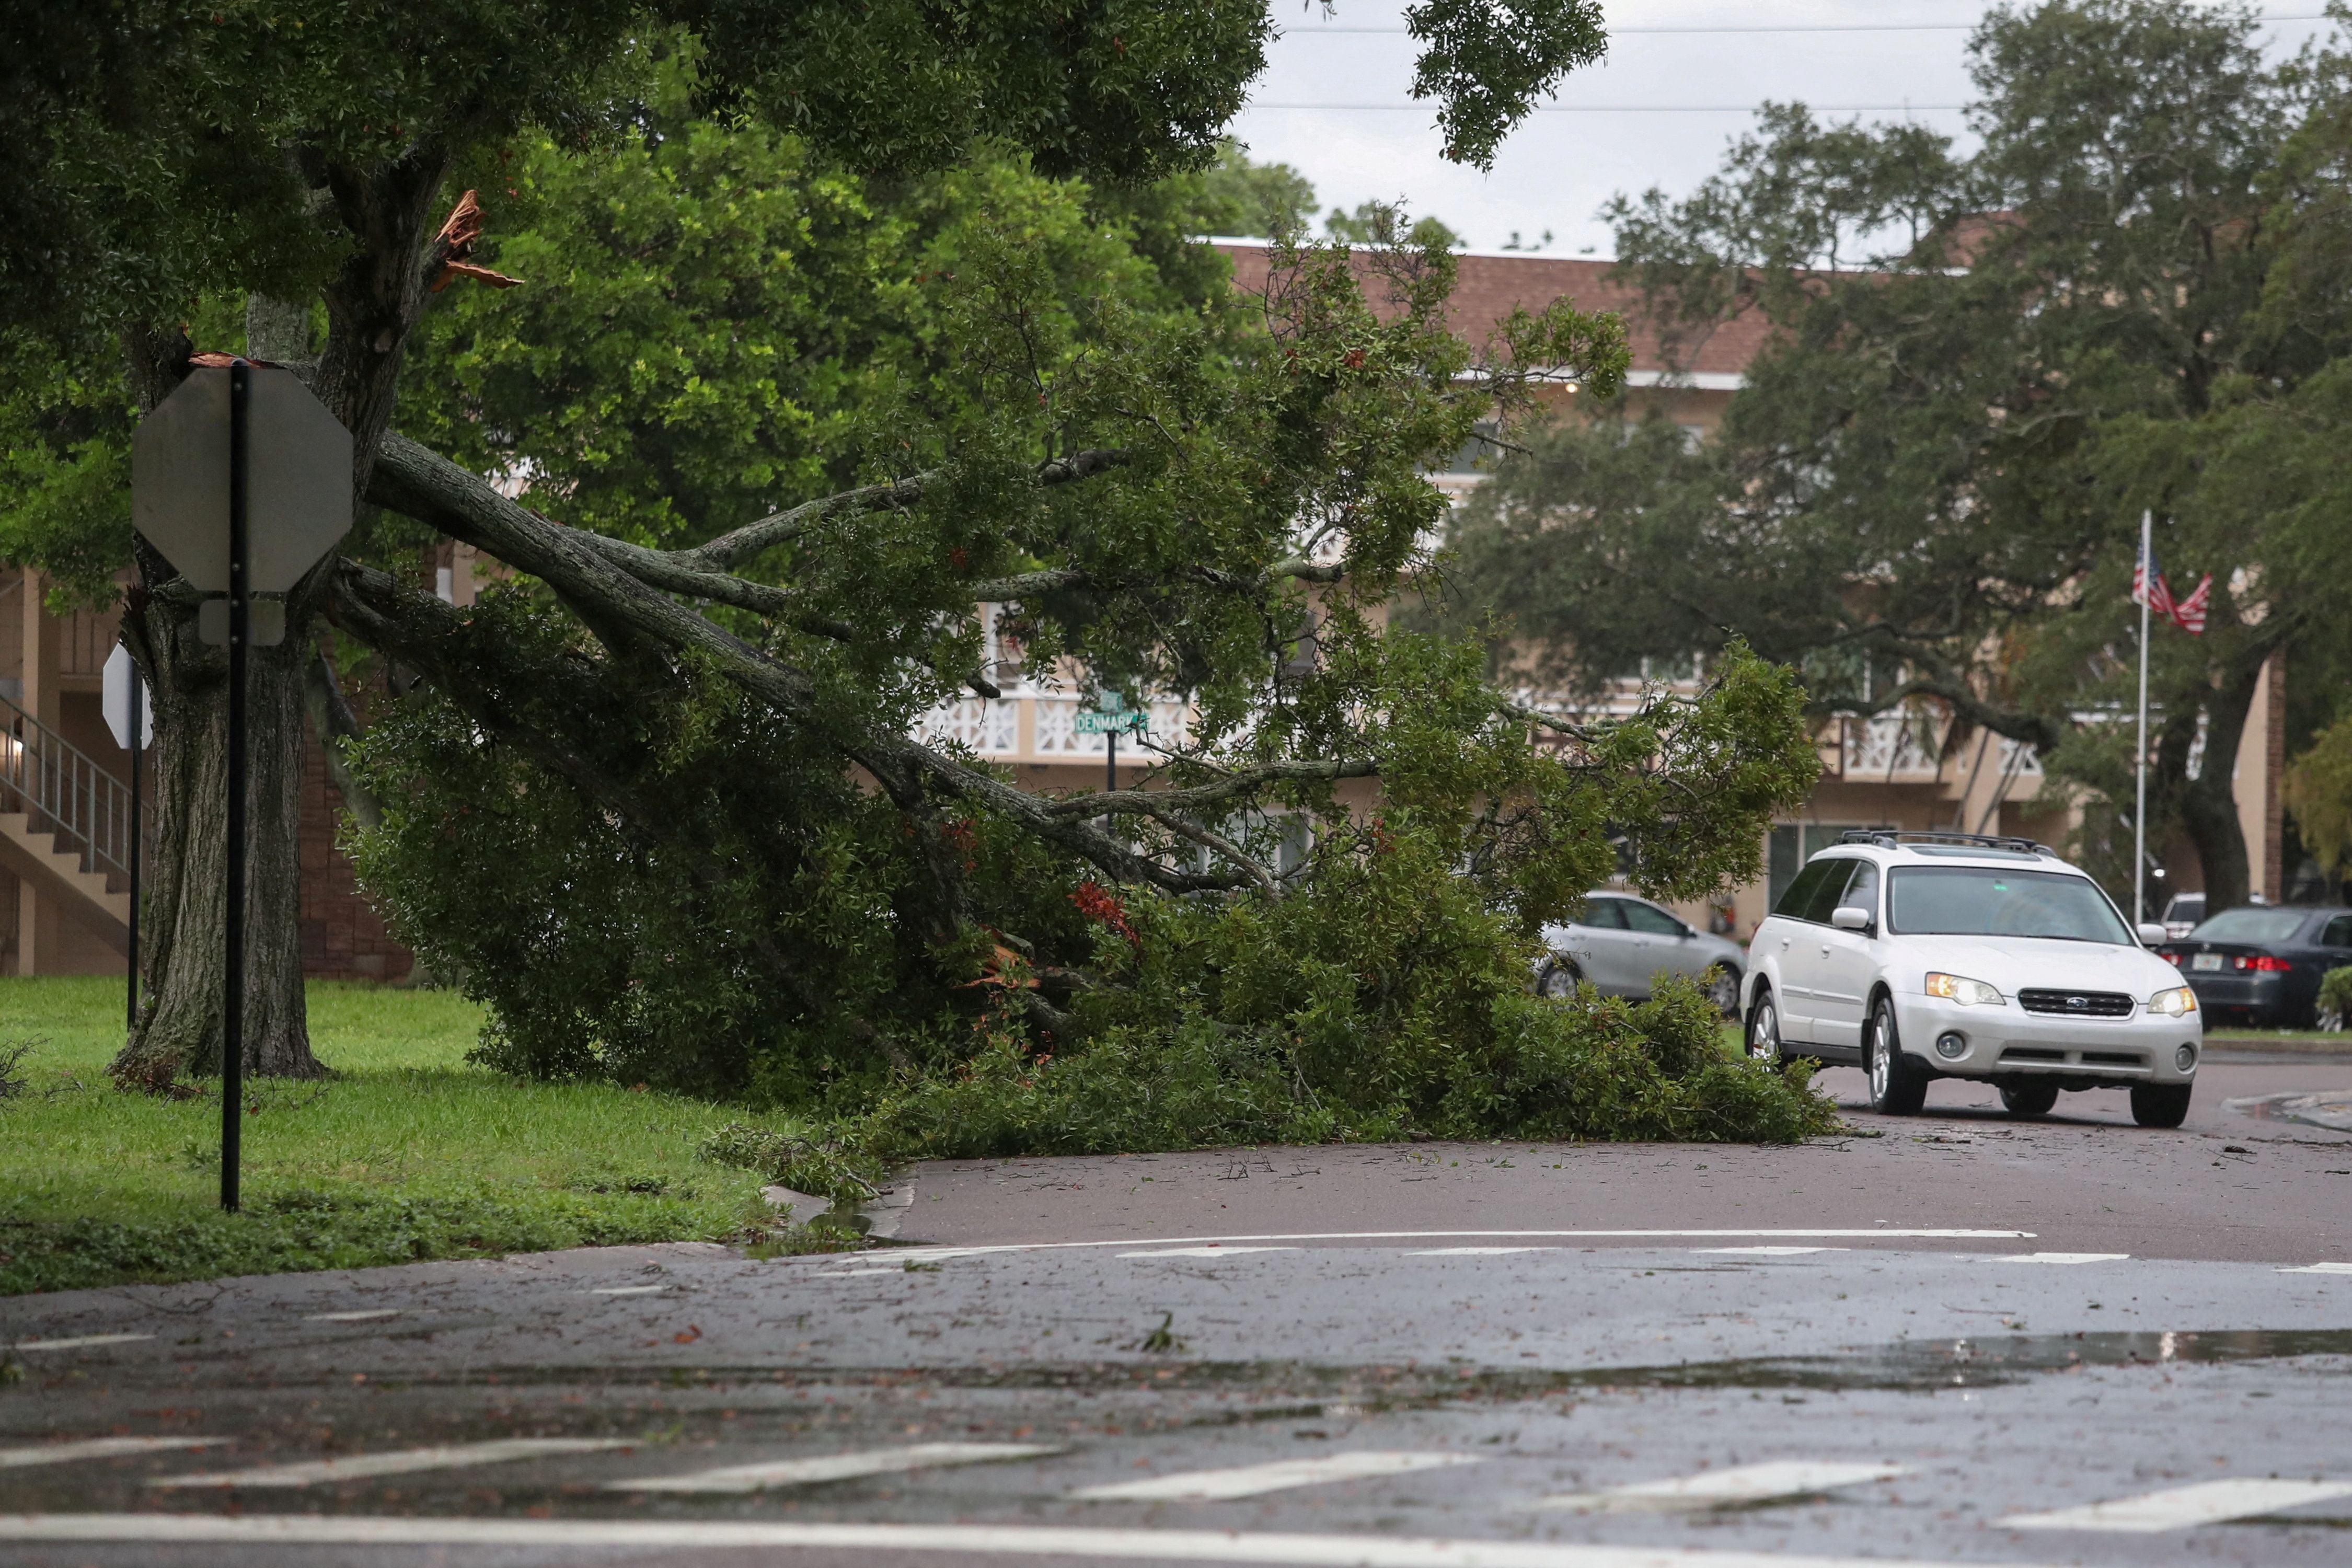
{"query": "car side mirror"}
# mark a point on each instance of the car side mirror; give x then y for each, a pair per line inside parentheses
(2151, 934)
(1850, 917)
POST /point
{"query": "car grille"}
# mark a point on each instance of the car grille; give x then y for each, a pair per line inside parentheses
(2078, 1003)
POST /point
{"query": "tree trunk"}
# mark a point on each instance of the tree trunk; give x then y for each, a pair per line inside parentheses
(372, 302)
(186, 897)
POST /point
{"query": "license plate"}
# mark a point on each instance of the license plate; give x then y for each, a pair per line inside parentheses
(2206, 961)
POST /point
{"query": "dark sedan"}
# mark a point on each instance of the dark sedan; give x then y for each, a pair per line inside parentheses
(2262, 964)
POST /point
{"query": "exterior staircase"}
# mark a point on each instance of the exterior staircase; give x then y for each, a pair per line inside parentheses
(64, 824)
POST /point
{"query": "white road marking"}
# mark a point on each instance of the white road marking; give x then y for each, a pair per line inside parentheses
(1770, 1251)
(401, 1462)
(96, 1449)
(1211, 1250)
(1476, 1251)
(1300, 1550)
(856, 1273)
(2060, 1258)
(368, 1316)
(80, 1341)
(1250, 1480)
(2321, 1268)
(630, 1291)
(1876, 1233)
(832, 1468)
(1724, 1488)
(2207, 1502)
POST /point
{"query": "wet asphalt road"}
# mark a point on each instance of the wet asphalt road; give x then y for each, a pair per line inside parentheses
(2138, 1357)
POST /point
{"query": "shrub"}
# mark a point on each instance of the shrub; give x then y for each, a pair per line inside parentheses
(2336, 998)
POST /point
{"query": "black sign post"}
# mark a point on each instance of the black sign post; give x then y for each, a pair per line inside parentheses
(242, 481)
(240, 407)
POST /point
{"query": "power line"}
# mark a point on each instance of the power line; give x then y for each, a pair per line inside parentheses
(1777, 27)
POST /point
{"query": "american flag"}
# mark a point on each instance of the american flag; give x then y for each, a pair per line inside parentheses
(2150, 587)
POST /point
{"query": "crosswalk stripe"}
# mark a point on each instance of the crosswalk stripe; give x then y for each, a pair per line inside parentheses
(1889, 1233)
(2320, 1268)
(1250, 1480)
(80, 1342)
(630, 1291)
(2060, 1258)
(96, 1449)
(1724, 1488)
(1474, 1251)
(401, 1462)
(1204, 1251)
(1298, 1550)
(1770, 1251)
(2207, 1502)
(366, 1316)
(832, 1468)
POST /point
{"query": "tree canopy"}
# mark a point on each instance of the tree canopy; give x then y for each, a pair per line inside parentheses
(1981, 369)
(766, 345)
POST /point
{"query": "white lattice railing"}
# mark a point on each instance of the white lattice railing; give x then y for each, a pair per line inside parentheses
(1897, 745)
(64, 792)
(992, 728)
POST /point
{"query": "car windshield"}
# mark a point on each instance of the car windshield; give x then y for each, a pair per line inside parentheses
(1983, 901)
(2251, 925)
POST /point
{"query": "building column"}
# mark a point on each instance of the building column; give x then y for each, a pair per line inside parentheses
(2256, 779)
(36, 917)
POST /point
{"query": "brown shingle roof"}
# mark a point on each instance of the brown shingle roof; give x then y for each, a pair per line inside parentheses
(1487, 287)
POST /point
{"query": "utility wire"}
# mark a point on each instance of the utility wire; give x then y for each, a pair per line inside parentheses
(1782, 27)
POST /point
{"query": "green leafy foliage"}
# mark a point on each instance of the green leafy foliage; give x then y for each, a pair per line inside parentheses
(878, 283)
(2335, 994)
(2318, 790)
(1383, 223)
(695, 897)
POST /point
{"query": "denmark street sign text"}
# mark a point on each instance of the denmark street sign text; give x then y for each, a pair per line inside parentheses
(1134, 721)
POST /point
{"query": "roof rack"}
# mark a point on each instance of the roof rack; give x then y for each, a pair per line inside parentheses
(1895, 837)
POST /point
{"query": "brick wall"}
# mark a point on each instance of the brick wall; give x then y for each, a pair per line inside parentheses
(342, 936)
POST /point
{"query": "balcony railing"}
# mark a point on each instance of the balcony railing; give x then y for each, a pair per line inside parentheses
(65, 792)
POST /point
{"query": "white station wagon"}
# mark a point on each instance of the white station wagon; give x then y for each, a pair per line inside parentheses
(1918, 956)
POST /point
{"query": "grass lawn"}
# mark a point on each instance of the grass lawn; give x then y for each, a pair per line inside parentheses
(407, 1154)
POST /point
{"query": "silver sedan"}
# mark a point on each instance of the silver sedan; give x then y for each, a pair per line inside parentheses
(1619, 943)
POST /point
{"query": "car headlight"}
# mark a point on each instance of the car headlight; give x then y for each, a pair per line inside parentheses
(1966, 993)
(2177, 1002)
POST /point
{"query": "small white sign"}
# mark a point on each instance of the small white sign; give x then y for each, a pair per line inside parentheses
(115, 696)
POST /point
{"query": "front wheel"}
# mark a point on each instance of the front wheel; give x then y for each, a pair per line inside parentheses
(1722, 990)
(1764, 1028)
(2161, 1104)
(1898, 1087)
(2028, 1098)
(1557, 982)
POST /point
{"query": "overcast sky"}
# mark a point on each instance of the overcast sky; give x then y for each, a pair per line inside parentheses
(1646, 116)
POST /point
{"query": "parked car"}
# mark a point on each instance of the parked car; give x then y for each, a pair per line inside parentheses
(1919, 956)
(2183, 913)
(2262, 964)
(1619, 943)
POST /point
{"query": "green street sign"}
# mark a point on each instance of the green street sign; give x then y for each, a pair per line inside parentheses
(1132, 720)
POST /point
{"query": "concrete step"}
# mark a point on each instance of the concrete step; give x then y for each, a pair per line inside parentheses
(36, 857)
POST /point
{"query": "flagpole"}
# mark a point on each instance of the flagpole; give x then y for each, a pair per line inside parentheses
(2139, 809)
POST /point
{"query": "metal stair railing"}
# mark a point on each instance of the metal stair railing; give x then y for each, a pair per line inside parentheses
(64, 792)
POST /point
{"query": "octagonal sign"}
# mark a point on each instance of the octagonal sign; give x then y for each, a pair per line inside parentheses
(297, 480)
